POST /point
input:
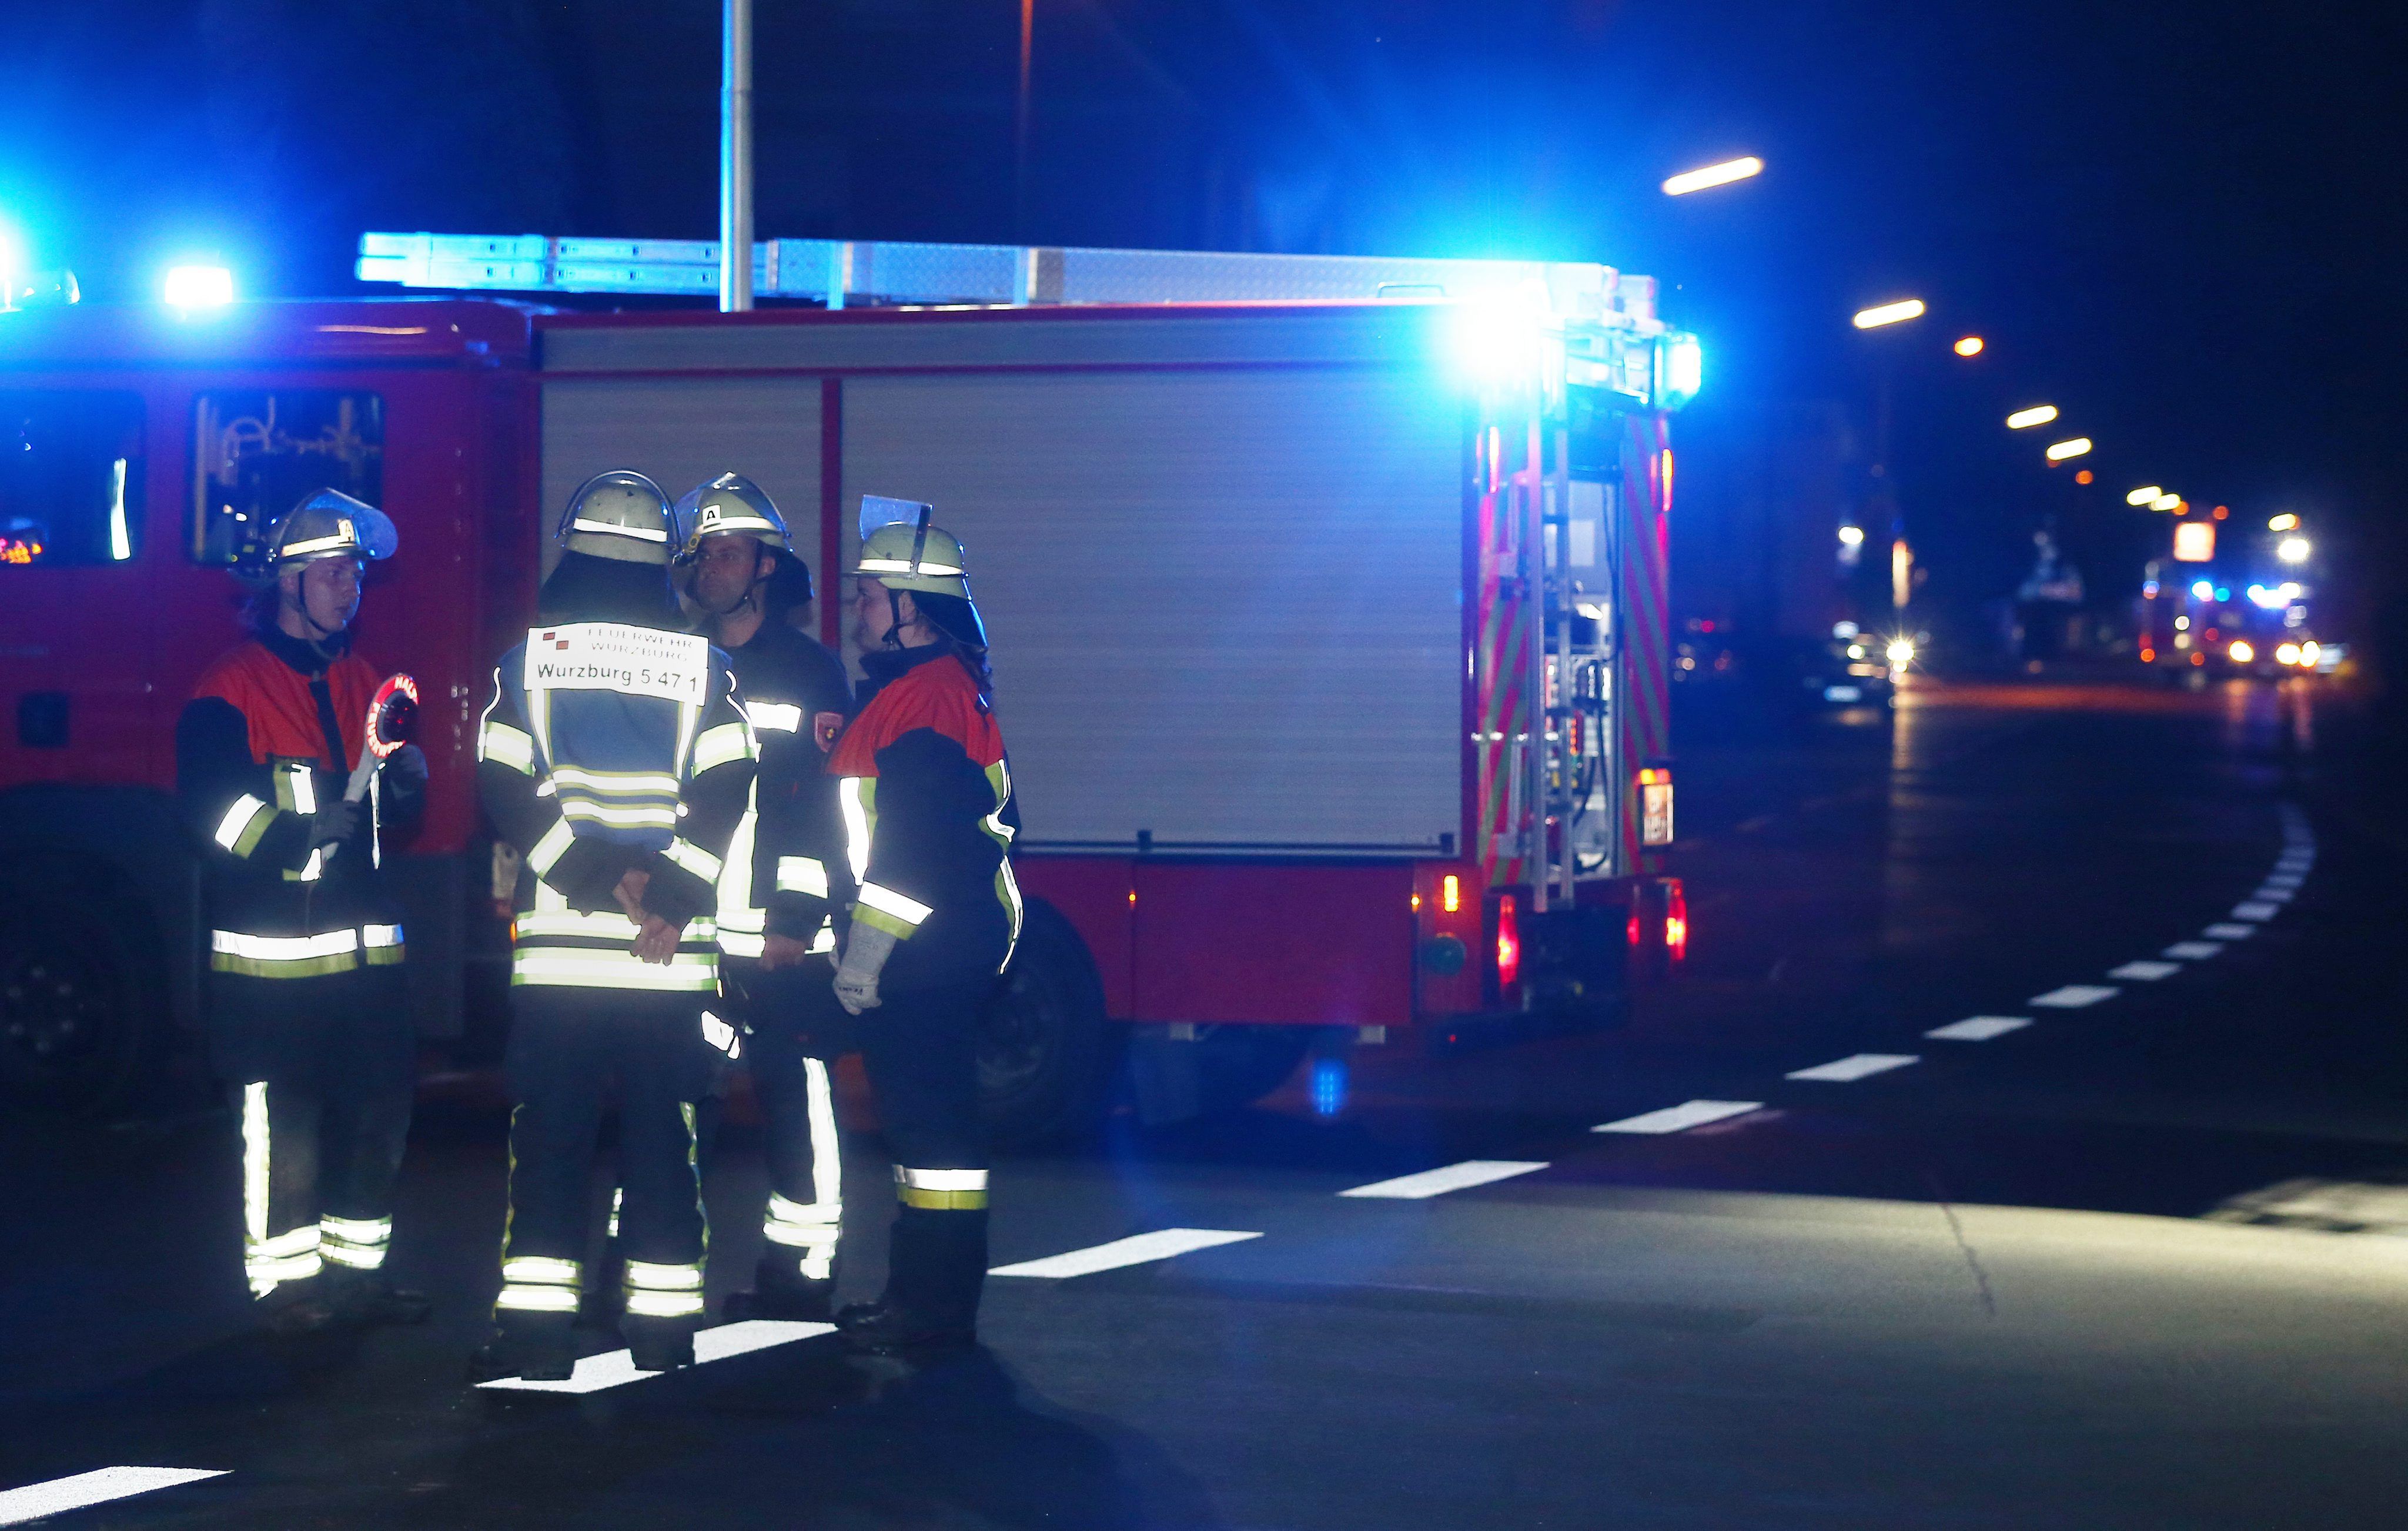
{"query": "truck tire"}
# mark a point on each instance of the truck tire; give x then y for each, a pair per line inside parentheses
(1045, 1046)
(1238, 1065)
(83, 1022)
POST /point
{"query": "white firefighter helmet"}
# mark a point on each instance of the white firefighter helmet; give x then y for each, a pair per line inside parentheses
(620, 515)
(901, 551)
(730, 504)
(326, 523)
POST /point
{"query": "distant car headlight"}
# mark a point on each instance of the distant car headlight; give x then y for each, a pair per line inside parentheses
(1901, 652)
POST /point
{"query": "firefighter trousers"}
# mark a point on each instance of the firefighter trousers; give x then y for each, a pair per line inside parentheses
(791, 1013)
(322, 1069)
(920, 1048)
(572, 1051)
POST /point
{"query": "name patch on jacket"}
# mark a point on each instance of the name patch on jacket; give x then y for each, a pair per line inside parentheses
(606, 656)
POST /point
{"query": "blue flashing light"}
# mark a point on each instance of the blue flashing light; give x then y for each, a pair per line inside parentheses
(1680, 370)
(2223, 592)
(191, 287)
(1329, 1086)
(2203, 589)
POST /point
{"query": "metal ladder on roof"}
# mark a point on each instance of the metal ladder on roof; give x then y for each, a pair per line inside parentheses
(840, 272)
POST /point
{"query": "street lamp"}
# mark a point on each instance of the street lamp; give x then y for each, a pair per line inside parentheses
(1889, 313)
(1714, 174)
(2039, 414)
(2166, 502)
(2293, 550)
(2144, 494)
(2064, 449)
(1970, 346)
(2284, 523)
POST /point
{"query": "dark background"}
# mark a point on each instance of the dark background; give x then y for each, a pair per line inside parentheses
(2181, 224)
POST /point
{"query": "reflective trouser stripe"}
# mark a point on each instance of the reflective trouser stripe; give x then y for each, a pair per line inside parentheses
(813, 1228)
(268, 1260)
(942, 1189)
(659, 1291)
(618, 1198)
(538, 1285)
(357, 1242)
(694, 972)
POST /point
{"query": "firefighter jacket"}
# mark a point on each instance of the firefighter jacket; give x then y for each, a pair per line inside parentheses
(786, 871)
(608, 749)
(271, 734)
(925, 793)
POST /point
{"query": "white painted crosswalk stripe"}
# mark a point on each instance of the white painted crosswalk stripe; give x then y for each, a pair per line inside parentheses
(2286, 880)
(1137, 1249)
(1979, 1028)
(1681, 1118)
(97, 1487)
(1856, 1065)
(2228, 931)
(2073, 997)
(2194, 951)
(2255, 911)
(616, 1368)
(2274, 895)
(2146, 972)
(1435, 1183)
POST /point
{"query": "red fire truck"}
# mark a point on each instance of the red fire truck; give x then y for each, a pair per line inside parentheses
(1328, 596)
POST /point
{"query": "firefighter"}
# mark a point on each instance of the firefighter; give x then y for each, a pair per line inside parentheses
(615, 757)
(309, 1019)
(775, 935)
(930, 818)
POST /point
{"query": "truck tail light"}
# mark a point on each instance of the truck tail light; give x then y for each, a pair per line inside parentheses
(1509, 942)
(1676, 922)
(1450, 897)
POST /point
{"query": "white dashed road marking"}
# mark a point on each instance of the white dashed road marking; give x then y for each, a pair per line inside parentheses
(61, 1495)
(1854, 1067)
(2285, 879)
(2194, 951)
(1434, 1182)
(2075, 995)
(1137, 1249)
(1980, 1028)
(1681, 1118)
(2255, 911)
(2228, 932)
(2147, 972)
(2274, 895)
(617, 1368)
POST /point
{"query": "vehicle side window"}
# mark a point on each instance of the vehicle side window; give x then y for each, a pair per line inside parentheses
(70, 477)
(256, 452)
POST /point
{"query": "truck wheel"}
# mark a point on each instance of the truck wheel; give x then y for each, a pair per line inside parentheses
(1238, 1065)
(80, 1007)
(1044, 1044)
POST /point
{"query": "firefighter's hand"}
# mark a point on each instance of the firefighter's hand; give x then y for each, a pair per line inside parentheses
(657, 941)
(630, 894)
(866, 951)
(334, 824)
(783, 952)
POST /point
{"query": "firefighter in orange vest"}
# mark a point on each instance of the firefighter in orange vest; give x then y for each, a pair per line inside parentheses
(925, 794)
(308, 1020)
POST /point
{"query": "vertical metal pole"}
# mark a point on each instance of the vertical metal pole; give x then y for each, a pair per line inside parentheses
(1534, 544)
(1019, 123)
(736, 157)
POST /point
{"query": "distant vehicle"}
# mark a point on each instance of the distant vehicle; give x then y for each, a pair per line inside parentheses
(2196, 619)
(1334, 620)
(1855, 668)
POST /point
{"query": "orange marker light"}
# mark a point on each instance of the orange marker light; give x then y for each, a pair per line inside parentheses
(1450, 894)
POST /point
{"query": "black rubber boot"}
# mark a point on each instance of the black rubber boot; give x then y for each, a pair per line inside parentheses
(659, 1344)
(886, 1328)
(780, 1292)
(367, 1299)
(537, 1347)
(309, 1314)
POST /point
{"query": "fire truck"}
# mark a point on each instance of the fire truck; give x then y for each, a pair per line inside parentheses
(1328, 594)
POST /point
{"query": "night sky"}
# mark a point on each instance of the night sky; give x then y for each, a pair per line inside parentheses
(2180, 224)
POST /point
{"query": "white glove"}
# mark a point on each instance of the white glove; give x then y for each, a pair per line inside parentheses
(723, 1037)
(865, 951)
